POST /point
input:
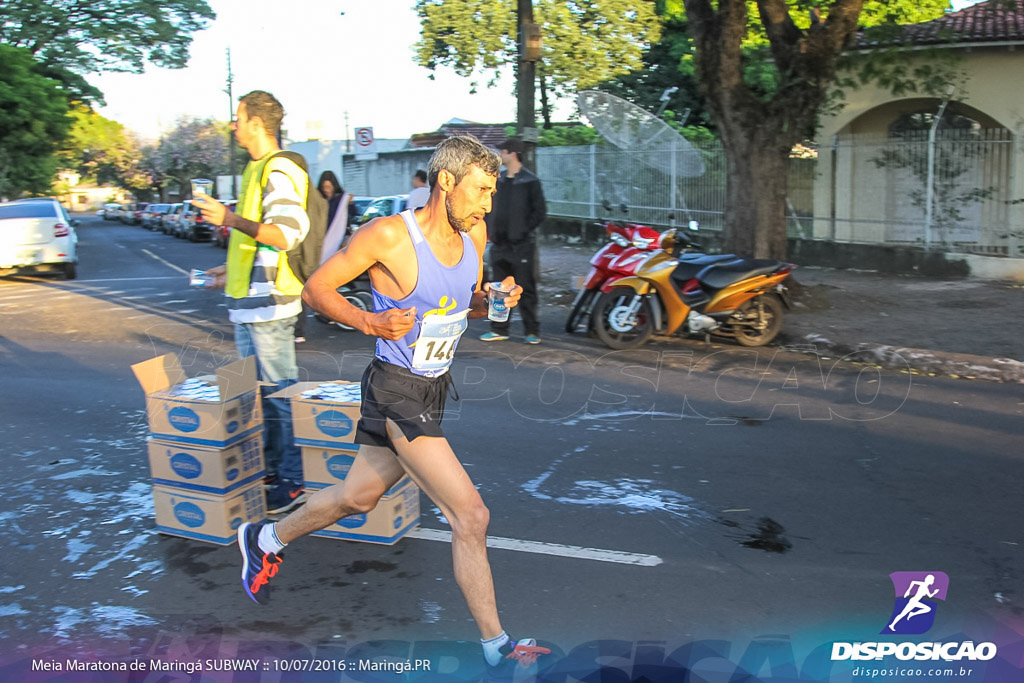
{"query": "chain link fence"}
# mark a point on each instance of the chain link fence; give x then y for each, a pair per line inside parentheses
(863, 189)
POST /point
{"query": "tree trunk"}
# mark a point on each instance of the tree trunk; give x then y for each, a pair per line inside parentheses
(545, 107)
(758, 132)
(755, 194)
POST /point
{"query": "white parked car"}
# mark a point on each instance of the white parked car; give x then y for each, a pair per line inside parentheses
(37, 234)
(109, 212)
(383, 206)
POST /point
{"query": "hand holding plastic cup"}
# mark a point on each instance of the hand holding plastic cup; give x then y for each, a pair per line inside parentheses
(202, 185)
(496, 308)
(200, 278)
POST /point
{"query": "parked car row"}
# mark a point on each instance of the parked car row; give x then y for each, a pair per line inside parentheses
(184, 220)
(129, 214)
(38, 235)
(181, 219)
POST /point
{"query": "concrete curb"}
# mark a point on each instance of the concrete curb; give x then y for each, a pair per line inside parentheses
(916, 361)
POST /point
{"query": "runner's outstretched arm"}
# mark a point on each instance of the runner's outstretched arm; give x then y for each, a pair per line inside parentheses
(372, 244)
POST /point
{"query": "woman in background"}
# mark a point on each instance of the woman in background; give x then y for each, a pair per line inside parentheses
(337, 208)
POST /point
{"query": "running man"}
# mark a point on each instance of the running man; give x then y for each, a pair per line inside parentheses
(425, 273)
(914, 606)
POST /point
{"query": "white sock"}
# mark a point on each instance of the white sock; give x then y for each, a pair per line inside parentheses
(492, 648)
(268, 540)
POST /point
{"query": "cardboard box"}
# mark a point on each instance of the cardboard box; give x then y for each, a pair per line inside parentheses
(323, 467)
(214, 424)
(397, 513)
(326, 424)
(207, 470)
(206, 517)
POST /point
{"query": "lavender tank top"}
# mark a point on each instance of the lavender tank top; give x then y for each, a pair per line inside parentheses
(442, 297)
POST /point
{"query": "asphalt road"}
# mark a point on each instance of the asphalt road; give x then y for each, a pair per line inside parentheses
(770, 494)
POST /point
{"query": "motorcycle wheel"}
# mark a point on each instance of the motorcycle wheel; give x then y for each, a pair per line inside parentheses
(579, 310)
(748, 335)
(608, 319)
(361, 300)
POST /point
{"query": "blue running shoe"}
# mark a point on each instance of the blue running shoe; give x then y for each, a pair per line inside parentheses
(532, 339)
(493, 336)
(258, 567)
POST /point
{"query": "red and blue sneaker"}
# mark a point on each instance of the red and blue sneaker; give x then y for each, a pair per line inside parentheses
(523, 652)
(258, 567)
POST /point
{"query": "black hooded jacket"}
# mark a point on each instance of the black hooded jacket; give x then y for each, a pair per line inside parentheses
(518, 209)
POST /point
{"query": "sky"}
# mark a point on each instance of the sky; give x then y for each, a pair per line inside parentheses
(359, 62)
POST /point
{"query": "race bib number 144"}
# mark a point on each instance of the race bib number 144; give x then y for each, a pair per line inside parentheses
(439, 335)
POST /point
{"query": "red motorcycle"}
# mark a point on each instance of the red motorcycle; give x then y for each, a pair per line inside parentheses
(630, 244)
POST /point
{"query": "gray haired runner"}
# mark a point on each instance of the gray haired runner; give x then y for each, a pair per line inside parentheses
(425, 270)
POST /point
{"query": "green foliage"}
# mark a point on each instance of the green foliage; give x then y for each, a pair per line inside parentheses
(98, 149)
(72, 38)
(561, 136)
(584, 43)
(670, 61)
(667, 64)
(695, 134)
(33, 122)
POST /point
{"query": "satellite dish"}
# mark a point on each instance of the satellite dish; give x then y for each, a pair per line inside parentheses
(632, 128)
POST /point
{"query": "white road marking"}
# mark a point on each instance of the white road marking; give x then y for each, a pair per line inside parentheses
(133, 279)
(65, 283)
(165, 262)
(572, 551)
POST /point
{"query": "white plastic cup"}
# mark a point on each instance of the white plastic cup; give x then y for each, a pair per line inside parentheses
(496, 308)
(199, 278)
(202, 185)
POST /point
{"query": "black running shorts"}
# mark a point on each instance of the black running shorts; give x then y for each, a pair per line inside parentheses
(413, 402)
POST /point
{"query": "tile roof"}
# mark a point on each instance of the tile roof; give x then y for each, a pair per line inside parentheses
(986, 22)
(491, 134)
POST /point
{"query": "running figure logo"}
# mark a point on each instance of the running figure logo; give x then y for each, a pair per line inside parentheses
(914, 610)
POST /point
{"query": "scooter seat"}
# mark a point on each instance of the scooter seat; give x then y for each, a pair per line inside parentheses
(718, 276)
(691, 264)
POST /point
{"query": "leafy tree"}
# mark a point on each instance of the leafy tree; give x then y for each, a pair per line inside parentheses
(151, 175)
(584, 43)
(97, 148)
(196, 148)
(767, 69)
(71, 38)
(33, 121)
(667, 64)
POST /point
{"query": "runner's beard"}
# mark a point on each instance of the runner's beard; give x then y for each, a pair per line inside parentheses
(457, 223)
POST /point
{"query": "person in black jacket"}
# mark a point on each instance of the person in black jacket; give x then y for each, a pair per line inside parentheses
(517, 212)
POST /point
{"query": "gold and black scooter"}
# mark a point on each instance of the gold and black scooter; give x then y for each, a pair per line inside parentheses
(740, 299)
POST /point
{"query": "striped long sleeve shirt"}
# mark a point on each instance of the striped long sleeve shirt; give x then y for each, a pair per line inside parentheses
(283, 206)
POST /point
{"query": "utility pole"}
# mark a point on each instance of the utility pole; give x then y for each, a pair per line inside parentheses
(526, 76)
(231, 137)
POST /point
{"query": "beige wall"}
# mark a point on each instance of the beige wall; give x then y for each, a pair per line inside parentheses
(875, 197)
(93, 198)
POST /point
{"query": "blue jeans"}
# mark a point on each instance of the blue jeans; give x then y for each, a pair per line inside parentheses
(273, 344)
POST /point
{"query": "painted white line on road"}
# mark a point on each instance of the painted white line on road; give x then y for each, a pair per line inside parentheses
(68, 285)
(133, 279)
(165, 262)
(536, 547)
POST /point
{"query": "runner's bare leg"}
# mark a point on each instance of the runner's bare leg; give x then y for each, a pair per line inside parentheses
(374, 471)
(433, 466)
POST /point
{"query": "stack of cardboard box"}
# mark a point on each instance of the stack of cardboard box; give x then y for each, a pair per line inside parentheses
(205, 448)
(324, 415)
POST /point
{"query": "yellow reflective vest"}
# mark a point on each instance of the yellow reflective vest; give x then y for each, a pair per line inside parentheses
(242, 248)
